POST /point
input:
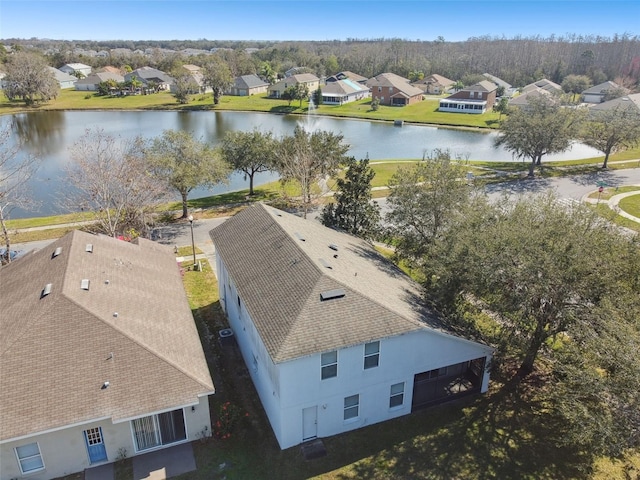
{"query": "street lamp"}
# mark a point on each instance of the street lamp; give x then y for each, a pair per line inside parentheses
(193, 244)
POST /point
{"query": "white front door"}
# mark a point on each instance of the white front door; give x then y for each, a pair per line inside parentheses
(309, 423)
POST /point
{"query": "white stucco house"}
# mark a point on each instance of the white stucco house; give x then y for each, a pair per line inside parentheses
(334, 336)
(99, 355)
(599, 93)
(343, 91)
(73, 68)
(64, 79)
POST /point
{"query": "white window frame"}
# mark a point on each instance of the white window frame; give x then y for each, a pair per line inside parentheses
(350, 407)
(396, 394)
(29, 457)
(327, 363)
(372, 354)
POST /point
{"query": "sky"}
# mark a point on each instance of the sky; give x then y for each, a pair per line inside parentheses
(454, 20)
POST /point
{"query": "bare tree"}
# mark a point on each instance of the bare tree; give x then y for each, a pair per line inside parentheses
(17, 166)
(110, 177)
(29, 78)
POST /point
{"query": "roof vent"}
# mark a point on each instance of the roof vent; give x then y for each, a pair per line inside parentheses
(324, 263)
(84, 284)
(56, 252)
(300, 237)
(89, 247)
(331, 294)
(333, 246)
(46, 290)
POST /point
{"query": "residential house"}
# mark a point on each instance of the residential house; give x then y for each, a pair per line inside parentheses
(150, 77)
(343, 91)
(522, 100)
(598, 93)
(99, 355)
(434, 84)
(64, 79)
(347, 75)
(309, 79)
(335, 337)
(247, 85)
(74, 68)
(475, 99)
(508, 88)
(195, 72)
(631, 101)
(544, 84)
(91, 82)
(394, 90)
(109, 69)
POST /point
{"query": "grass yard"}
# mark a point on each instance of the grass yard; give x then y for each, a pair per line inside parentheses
(631, 205)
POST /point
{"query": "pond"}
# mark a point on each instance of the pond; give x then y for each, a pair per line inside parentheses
(51, 134)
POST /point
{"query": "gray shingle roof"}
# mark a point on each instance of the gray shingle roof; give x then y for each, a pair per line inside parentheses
(602, 88)
(631, 101)
(55, 351)
(250, 81)
(280, 278)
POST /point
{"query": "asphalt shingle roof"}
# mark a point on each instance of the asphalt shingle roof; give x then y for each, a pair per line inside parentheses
(280, 278)
(133, 328)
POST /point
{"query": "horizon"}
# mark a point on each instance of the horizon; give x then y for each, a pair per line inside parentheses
(314, 20)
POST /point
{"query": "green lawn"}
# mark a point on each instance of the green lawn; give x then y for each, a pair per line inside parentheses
(631, 205)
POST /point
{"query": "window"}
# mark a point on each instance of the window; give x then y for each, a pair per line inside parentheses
(351, 407)
(396, 399)
(161, 429)
(329, 362)
(472, 94)
(379, 89)
(371, 354)
(29, 458)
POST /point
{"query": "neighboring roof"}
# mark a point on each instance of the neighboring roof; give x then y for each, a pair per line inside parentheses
(628, 101)
(192, 68)
(601, 89)
(435, 79)
(481, 86)
(132, 328)
(522, 100)
(343, 87)
(544, 84)
(96, 78)
(497, 81)
(149, 74)
(249, 81)
(303, 78)
(62, 77)
(281, 264)
(396, 81)
(76, 66)
(110, 69)
(346, 75)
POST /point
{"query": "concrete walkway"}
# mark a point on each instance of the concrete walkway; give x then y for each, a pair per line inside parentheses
(614, 203)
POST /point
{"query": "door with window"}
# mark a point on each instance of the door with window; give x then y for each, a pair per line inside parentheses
(95, 445)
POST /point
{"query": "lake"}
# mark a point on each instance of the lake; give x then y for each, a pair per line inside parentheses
(51, 134)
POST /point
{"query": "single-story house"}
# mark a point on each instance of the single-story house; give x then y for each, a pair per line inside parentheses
(100, 357)
(522, 100)
(335, 337)
(434, 84)
(631, 101)
(247, 85)
(64, 79)
(544, 84)
(149, 76)
(73, 68)
(309, 79)
(394, 90)
(598, 93)
(475, 99)
(347, 75)
(91, 82)
(343, 91)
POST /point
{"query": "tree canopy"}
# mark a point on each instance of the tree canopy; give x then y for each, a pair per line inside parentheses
(28, 78)
(217, 75)
(185, 163)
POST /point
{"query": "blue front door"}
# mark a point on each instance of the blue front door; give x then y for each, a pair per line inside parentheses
(95, 445)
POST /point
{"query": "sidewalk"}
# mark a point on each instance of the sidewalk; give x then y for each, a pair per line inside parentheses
(614, 203)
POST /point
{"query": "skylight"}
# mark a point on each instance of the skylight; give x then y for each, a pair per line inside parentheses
(331, 294)
(84, 284)
(88, 247)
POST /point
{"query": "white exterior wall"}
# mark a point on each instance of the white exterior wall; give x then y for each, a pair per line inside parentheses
(64, 451)
(86, 87)
(592, 98)
(288, 388)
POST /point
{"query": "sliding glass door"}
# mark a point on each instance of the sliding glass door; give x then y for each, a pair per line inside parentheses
(156, 430)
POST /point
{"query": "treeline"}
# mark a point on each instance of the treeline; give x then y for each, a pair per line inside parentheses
(518, 60)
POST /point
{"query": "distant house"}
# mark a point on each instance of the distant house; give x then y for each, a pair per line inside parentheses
(343, 91)
(309, 79)
(475, 99)
(394, 90)
(99, 355)
(631, 101)
(522, 100)
(195, 72)
(434, 84)
(544, 84)
(73, 68)
(150, 76)
(508, 88)
(346, 75)
(91, 82)
(335, 337)
(64, 79)
(247, 85)
(109, 69)
(598, 93)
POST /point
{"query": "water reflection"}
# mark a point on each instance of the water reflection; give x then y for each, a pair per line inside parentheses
(43, 132)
